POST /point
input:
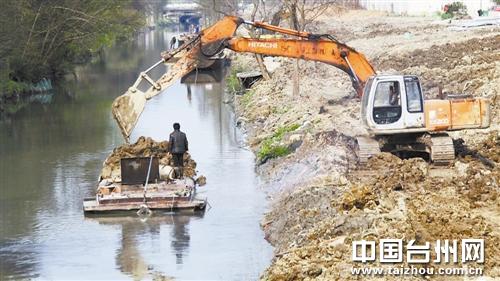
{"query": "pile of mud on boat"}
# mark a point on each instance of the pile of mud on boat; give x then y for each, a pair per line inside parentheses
(137, 176)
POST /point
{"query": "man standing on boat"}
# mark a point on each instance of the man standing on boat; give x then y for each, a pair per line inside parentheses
(178, 146)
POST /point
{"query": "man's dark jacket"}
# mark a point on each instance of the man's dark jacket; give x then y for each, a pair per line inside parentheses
(178, 142)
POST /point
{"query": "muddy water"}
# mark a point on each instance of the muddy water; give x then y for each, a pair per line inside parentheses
(50, 158)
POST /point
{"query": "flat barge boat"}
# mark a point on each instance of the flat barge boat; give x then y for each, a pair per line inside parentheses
(176, 195)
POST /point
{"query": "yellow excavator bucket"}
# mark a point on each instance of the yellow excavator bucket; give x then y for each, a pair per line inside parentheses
(128, 107)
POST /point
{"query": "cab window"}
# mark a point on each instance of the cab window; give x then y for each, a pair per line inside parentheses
(366, 96)
(413, 96)
(387, 103)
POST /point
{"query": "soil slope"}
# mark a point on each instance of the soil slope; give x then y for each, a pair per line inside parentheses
(322, 199)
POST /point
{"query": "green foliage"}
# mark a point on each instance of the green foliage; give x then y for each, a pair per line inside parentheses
(247, 97)
(457, 7)
(271, 147)
(232, 82)
(446, 16)
(454, 9)
(9, 87)
(269, 150)
(280, 132)
(47, 38)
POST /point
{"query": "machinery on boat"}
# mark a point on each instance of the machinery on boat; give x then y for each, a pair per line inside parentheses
(142, 189)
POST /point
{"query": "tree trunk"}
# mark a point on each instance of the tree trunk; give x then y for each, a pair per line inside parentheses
(262, 67)
(295, 24)
(258, 57)
(296, 79)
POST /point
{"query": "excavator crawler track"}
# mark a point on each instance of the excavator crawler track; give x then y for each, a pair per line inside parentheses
(442, 151)
(367, 147)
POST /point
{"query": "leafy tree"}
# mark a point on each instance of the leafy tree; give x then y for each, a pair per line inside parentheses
(47, 38)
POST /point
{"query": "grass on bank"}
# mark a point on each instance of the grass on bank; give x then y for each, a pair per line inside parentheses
(247, 97)
(271, 147)
(232, 82)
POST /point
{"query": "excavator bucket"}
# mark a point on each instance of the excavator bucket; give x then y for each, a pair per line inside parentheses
(128, 107)
(126, 110)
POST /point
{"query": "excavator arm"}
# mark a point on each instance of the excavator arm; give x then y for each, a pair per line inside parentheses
(316, 47)
(128, 107)
(330, 52)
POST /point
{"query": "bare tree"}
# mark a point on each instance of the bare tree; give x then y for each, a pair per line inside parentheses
(304, 12)
(253, 34)
(301, 13)
(216, 9)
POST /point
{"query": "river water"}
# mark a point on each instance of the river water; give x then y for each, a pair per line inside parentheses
(51, 154)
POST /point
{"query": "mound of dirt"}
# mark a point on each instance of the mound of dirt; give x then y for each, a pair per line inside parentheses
(144, 147)
(394, 173)
(402, 200)
(490, 147)
(447, 56)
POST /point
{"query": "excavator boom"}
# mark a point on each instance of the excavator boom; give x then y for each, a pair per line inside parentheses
(316, 47)
(308, 46)
(327, 51)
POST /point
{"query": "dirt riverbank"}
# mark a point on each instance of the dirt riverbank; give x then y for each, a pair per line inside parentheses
(322, 200)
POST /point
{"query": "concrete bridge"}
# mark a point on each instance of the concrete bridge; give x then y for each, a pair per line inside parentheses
(186, 14)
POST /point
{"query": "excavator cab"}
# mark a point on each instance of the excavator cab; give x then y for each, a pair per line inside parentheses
(387, 103)
(400, 121)
(393, 104)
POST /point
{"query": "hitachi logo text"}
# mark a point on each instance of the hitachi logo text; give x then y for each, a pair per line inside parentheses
(268, 45)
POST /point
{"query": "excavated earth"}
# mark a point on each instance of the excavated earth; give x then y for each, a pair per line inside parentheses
(322, 200)
(143, 147)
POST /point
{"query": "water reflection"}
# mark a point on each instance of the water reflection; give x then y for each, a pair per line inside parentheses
(128, 256)
(23, 268)
(51, 155)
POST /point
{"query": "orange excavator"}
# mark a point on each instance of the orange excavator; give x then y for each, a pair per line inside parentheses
(394, 111)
